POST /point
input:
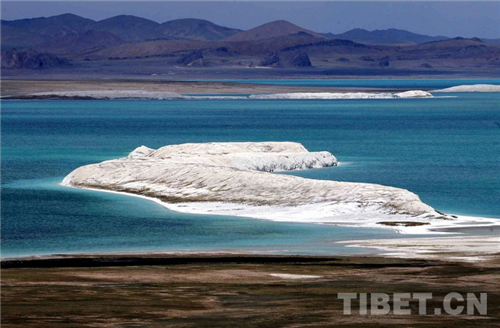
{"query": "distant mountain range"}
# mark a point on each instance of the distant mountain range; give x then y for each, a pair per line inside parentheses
(51, 26)
(196, 29)
(385, 37)
(391, 36)
(128, 28)
(271, 30)
(195, 42)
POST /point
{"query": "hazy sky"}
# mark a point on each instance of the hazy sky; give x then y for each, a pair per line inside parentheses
(448, 18)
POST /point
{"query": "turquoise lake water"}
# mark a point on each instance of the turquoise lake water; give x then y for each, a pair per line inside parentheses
(447, 150)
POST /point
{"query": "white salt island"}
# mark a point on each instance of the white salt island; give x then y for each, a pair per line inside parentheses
(166, 95)
(345, 95)
(472, 88)
(236, 179)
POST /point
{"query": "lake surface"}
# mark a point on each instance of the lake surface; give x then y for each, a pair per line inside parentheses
(447, 150)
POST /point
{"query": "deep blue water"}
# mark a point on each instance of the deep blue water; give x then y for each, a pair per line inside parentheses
(447, 150)
(370, 83)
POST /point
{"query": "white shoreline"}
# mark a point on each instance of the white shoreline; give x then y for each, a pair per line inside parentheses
(471, 88)
(390, 247)
(463, 248)
(205, 208)
(157, 95)
(476, 248)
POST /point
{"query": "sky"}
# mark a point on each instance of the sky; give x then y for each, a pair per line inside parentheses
(446, 18)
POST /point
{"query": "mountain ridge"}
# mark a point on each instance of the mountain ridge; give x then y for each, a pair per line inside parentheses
(192, 42)
(269, 30)
(196, 29)
(389, 36)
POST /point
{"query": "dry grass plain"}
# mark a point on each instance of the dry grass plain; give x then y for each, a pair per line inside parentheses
(233, 291)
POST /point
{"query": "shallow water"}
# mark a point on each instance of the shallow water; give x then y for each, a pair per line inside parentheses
(447, 150)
